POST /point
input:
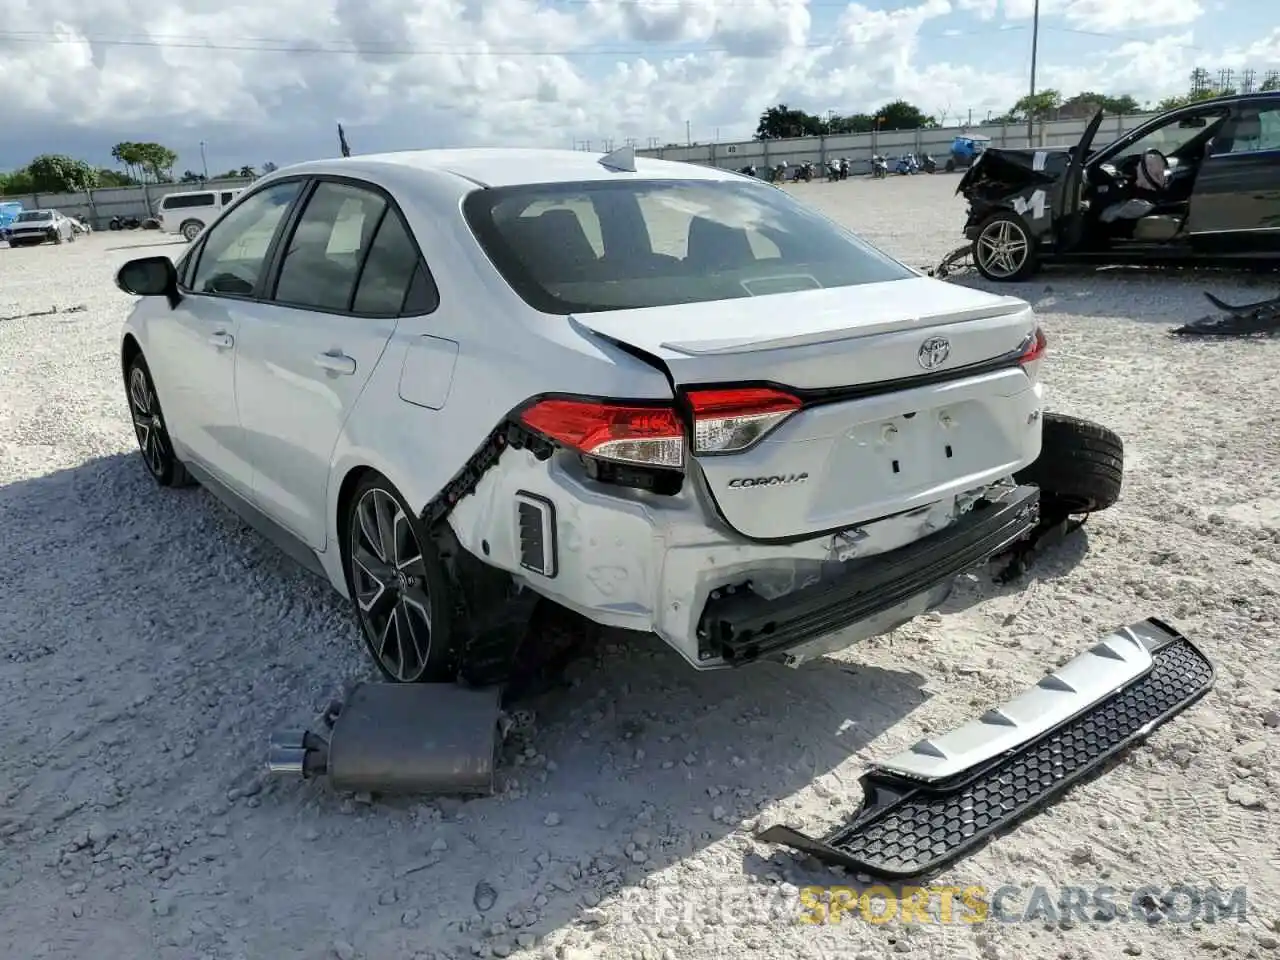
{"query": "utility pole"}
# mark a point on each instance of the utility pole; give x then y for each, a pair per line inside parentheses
(1031, 111)
(688, 137)
(203, 162)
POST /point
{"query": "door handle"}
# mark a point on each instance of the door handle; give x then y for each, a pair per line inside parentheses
(221, 340)
(336, 362)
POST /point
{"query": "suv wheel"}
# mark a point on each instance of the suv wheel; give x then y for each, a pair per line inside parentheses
(149, 426)
(191, 229)
(398, 586)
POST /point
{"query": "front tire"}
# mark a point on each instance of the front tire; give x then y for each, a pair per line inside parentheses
(1080, 469)
(191, 229)
(398, 586)
(151, 429)
(1003, 250)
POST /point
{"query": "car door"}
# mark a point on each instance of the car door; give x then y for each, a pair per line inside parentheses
(191, 349)
(1068, 215)
(303, 361)
(1235, 204)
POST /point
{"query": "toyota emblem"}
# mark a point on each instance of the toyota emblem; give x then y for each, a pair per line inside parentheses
(933, 352)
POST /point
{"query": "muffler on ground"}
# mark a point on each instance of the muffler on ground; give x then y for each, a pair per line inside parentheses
(403, 738)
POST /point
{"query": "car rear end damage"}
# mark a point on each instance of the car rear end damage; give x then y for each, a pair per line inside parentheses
(946, 795)
(742, 522)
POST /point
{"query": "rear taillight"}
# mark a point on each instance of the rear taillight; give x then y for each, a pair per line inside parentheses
(730, 421)
(1034, 349)
(650, 436)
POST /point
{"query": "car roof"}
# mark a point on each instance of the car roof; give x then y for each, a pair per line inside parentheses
(510, 166)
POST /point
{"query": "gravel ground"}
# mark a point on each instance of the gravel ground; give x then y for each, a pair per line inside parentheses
(149, 642)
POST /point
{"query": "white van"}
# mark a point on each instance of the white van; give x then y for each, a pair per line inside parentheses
(187, 212)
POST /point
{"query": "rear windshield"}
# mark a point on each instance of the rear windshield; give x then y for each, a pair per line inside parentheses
(617, 245)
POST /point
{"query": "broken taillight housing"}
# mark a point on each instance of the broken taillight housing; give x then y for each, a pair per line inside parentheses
(731, 420)
(1034, 348)
(649, 436)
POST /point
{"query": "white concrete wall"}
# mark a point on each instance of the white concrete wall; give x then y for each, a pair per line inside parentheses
(859, 147)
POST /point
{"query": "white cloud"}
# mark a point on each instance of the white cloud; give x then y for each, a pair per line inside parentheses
(438, 72)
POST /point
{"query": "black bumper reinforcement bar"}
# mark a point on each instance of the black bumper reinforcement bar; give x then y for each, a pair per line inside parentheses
(742, 625)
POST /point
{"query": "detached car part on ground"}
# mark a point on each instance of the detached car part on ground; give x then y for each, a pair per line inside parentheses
(751, 456)
(947, 794)
(1196, 185)
(1260, 319)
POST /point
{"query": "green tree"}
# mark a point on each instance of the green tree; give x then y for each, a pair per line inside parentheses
(1195, 96)
(55, 173)
(248, 172)
(114, 178)
(190, 176)
(16, 182)
(269, 167)
(147, 162)
(900, 115)
(781, 121)
(1272, 82)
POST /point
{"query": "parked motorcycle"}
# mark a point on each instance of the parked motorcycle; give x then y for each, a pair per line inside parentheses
(906, 165)
(879, 167)
(833, 172)
(928, 164)
(844, 168)
(124, 223)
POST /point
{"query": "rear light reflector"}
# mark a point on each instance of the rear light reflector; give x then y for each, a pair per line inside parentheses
(647, 435)
(729, 421)
(1035, 347)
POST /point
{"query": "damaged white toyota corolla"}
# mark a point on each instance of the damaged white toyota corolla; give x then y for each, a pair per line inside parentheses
(672, 399)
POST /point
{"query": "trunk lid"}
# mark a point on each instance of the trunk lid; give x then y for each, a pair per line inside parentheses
(893, 420)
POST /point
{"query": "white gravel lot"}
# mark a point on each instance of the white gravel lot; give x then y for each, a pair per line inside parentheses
(149, 643)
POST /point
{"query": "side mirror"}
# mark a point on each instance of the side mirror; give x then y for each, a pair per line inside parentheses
(150, 277)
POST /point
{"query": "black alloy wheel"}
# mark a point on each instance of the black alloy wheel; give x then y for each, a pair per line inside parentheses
(150, 429)
(398, 586)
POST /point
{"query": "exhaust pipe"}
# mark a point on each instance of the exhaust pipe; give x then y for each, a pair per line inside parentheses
(400, 738)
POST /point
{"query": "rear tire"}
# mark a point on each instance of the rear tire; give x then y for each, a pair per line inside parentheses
(398, 586)
(1080, 469)
(190, 229)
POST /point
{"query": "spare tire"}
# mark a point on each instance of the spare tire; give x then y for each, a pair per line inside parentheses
(1080, 468)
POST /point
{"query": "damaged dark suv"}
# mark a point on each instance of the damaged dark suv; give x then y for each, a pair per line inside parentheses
(1200, 183)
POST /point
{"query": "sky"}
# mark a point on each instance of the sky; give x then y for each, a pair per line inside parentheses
(269, 80)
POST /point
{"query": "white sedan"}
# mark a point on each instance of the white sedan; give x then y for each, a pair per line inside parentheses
(31, 227)
(466, 385)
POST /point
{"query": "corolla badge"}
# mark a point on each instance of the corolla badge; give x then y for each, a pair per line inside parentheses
(933, 352)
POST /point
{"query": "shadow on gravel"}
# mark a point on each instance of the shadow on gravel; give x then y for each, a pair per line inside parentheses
(1053, 563)
(1164, 297)
(149, 644)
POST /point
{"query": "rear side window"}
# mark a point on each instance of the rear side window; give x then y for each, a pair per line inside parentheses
(616, 245)
(323, 255)
(389, 271)
(227, 197)
(180, 201)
